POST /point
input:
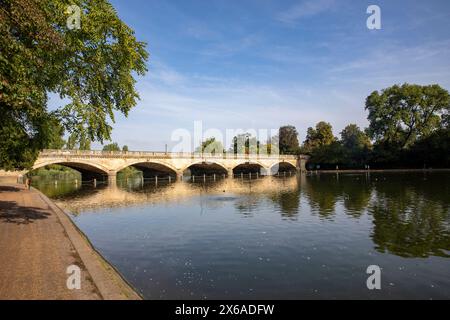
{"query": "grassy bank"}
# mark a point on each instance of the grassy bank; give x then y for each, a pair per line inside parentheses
(55, 172)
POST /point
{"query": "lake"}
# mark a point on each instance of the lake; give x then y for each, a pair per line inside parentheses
(301, 237)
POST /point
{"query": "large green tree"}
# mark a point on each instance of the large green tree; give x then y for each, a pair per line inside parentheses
(288, 143)
(356, 146)
(322, 135)
(92, 68)
(400, 115)
(352, 137)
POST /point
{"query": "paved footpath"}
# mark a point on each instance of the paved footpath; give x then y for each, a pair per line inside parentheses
(37, 244)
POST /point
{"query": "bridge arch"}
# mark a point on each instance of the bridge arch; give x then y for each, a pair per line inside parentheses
(151, 168)
(206, 167)
(282, 166)
(88, 169)
(250, 167)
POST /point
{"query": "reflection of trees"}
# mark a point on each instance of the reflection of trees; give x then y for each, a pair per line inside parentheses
(411, 212)
(288, 202)
(248, 205)
(356, 192)
(411, 216)
(283, 192)
(63, 188)
(137, 185)
(324, 191)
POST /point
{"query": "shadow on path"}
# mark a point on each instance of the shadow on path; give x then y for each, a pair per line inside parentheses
(10, 212)
(9, 189)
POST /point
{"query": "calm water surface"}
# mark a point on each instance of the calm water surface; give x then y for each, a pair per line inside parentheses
(283, 238)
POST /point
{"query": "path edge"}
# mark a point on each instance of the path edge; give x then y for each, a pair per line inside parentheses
(109, 281)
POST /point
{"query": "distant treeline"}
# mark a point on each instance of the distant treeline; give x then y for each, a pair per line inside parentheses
(408, 128)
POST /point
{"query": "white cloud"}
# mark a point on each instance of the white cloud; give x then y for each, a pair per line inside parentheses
(305, 9)
(394, 64)
(160, 72)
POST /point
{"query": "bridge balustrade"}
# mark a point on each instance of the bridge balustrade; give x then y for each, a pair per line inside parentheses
(167, 155)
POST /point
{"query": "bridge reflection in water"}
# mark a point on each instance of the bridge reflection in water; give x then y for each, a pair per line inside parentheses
(281, 237)
(134, 192)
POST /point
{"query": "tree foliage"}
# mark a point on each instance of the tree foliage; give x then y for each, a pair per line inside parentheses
(322, 135)
(57, 137)
(403, 114)
(211, 145)
(78, 140)
(356, 145)
(409, 125)
(92, 68)
(288, 140)
(111, 147)
(245, 143)
(353, 138)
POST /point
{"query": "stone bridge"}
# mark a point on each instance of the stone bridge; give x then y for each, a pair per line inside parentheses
(98, 164)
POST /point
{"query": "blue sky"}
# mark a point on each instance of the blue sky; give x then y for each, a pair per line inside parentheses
(266, 63)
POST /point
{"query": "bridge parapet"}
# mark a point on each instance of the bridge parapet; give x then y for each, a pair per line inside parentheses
(161, 155)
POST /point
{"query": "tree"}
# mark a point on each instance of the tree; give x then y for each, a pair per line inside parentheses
(71, 143)
(85, 143)
(56, 138)
(93, 68)
(245, 144)
(111, 147)
(125, 148)
(431, 151)
(402, 114)
(352, 137)
(210, 145)
(356, 146)
(288, 142)
(329, 155)
(78, 141)
(271, 147)
(322, 135)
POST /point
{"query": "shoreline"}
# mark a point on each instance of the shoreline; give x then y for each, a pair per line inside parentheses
(101, 279)
(87, 252)
(376, 170)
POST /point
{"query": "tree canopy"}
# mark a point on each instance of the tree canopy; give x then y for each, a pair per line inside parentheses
(211, 145)
(111, 147)
(288, 140)
(92, 69)
(409, 127)
(352, 137)
(245, 143)
(403, 114)
(322, 135)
